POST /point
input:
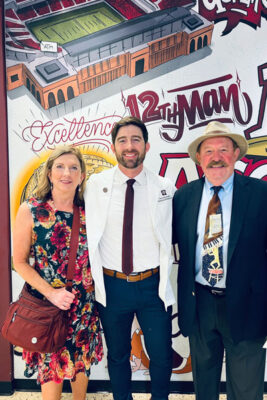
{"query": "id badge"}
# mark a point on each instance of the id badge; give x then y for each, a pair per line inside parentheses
(215, 224)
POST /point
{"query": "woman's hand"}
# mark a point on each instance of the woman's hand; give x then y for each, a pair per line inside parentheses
(22, 238)
(61, 298)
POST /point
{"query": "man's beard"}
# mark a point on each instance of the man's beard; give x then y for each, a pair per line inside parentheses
(131, 164)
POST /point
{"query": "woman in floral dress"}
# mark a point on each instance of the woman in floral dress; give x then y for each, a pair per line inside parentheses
(40, 253)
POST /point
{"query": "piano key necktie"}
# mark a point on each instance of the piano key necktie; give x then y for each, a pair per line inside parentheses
(212, 253)
(127, 232)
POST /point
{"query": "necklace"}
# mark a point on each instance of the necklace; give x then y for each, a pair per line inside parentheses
(65, 209)
(52, 204)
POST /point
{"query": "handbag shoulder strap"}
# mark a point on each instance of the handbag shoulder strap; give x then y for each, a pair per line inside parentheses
(74, 239)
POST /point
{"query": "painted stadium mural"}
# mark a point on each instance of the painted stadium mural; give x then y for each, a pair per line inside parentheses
(75, 67)
(95, 43)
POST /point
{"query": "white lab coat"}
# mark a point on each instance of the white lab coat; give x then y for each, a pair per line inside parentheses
(97, 197)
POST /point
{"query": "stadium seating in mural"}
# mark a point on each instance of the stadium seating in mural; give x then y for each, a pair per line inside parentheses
(60, 49)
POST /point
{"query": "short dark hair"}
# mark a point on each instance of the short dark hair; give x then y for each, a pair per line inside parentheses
(129, 121)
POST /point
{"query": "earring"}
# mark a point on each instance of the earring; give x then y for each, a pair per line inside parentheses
(79, 188)
(51, 186)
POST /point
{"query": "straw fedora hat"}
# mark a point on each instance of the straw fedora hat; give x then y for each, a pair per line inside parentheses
(216, 129)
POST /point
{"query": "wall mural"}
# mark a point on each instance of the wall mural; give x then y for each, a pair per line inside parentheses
(75, 67)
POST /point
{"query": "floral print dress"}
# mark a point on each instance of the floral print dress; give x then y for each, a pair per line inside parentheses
(49, 256)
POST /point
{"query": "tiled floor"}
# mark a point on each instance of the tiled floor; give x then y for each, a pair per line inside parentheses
(95, 396)
(100, 396)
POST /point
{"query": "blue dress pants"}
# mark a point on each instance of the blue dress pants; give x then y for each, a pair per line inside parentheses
(124, 301)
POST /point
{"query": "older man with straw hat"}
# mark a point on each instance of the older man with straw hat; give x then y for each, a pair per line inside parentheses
(220, 225)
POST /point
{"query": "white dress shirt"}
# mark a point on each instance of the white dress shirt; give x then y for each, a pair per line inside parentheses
(145, 243)
(226, 197)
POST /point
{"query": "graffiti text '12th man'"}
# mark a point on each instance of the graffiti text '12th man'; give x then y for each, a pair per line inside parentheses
(193, 109)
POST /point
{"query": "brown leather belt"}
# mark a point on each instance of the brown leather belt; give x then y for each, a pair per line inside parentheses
(139, 276)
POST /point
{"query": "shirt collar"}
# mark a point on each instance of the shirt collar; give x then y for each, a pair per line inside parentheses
(120, 178)
(227, 185)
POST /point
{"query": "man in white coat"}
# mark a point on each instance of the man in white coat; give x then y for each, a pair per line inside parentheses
(132, 278)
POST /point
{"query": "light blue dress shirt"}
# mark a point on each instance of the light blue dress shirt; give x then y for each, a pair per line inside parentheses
(226, 197)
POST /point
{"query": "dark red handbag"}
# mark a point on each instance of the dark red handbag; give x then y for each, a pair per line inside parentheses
(35, 324)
